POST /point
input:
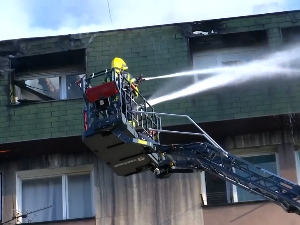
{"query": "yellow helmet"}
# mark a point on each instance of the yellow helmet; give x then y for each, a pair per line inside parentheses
(118, 64)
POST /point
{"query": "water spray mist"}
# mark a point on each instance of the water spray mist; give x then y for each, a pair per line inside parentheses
(274, 66)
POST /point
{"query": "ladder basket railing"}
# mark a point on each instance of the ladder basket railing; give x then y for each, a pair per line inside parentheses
(117, 98)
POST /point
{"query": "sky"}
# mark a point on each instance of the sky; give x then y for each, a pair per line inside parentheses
(38, 18)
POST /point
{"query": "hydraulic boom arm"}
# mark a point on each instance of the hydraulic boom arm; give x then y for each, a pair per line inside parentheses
(206, 157)
(129, 149)
(210, 157)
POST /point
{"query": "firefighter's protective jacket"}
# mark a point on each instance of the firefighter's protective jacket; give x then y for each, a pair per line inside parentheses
(120, 68)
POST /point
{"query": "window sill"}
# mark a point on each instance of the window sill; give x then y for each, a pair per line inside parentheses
(64, 221)
(235, 204)
(41, 102)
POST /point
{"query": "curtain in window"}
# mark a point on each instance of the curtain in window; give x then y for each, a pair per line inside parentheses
(267, 162)
(79, 196)
(41, 193)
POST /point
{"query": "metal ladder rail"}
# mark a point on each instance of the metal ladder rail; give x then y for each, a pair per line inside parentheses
(154, 120)
(213, 142)
(204, 134)
(263, 186)
(206, 157)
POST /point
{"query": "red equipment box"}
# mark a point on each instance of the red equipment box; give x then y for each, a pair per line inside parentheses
(101, 91)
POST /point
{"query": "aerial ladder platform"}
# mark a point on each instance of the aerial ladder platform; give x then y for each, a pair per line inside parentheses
(109, 116)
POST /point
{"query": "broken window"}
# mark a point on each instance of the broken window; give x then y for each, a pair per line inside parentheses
(48, 77)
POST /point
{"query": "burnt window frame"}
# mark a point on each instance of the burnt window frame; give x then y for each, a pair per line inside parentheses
(65, 65)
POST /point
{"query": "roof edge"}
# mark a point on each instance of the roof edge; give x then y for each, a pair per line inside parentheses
(153, 26)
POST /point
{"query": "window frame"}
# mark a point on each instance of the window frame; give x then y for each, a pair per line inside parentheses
(62, 84)
(220, 52)
(61, 172)
(233, 187)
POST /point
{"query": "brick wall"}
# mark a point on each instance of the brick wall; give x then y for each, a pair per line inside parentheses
(151, 51)
(148, 51)
(251, 100)
(4, 118)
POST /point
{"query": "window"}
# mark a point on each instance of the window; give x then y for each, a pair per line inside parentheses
(217, 191)
(202, 62)
(67, 194)
(216, 58)
(41, 88)
(267, 162)
(47, 76)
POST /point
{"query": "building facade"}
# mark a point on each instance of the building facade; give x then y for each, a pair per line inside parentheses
(44, 163)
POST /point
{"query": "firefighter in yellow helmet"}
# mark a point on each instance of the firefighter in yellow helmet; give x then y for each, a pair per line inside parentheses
(121, 70)
(120, 67)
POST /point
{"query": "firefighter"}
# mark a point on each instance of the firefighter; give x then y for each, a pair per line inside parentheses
(121, 69)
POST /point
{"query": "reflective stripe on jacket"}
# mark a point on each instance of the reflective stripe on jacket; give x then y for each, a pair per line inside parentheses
(128, 77)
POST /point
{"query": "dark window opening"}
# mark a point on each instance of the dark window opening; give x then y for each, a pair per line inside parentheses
(217, 41)
(290, 35)
(216, 190)
(290, 38)
(47, 76)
